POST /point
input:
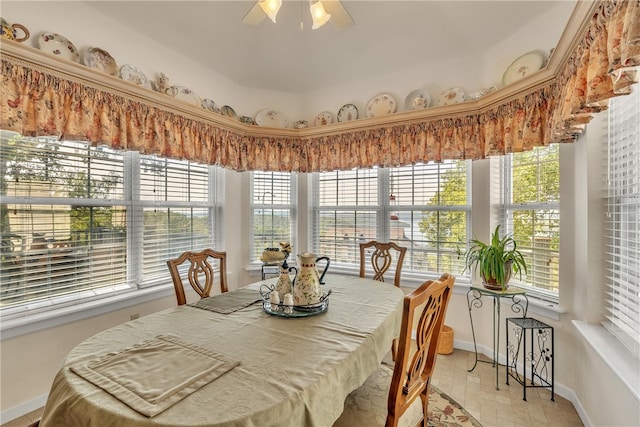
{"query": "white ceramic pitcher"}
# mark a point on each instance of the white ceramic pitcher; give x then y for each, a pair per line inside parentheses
(306, 285)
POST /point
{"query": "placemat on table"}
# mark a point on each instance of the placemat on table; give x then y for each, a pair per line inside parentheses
(153, 375)
(229, 302)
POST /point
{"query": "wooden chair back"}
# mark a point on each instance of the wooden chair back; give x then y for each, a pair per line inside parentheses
(381, 259)
(200, 273)
(412, 376)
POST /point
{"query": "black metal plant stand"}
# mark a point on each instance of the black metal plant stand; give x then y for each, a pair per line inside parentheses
(538, 357)
(519, 304)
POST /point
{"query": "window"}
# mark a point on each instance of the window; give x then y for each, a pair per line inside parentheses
(345, 213)
(622, 222)
(273, 211)
(81, 222)
(424, 207)
(430, 203)
(531, 213)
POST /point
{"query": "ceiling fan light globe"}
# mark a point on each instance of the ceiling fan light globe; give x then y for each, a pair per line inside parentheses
(271, 8)
(319, 15)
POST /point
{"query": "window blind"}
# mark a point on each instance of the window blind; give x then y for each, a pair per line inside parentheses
(273, 211)
(429, 213)
(82, 222)
(345, 213)
(530, 211)
(424, 207)
(176, 209)
(622, 222)
(63, 217)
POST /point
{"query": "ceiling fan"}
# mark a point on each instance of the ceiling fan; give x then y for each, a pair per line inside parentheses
(322, 11)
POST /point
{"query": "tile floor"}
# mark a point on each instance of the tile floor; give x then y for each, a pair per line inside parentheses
(476, 392)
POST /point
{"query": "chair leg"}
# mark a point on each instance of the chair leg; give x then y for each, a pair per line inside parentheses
(392, 421)
(394, 346)
(424, 396)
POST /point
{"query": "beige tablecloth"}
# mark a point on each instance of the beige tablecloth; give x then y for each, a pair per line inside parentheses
(292, 372)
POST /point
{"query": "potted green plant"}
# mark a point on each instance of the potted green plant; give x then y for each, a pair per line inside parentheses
(495, 261)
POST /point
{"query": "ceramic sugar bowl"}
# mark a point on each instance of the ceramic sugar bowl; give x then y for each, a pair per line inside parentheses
(10, 31)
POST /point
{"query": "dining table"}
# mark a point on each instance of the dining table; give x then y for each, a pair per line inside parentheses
(228, 360)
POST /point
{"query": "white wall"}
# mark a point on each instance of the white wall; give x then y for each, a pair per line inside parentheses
(29, 362)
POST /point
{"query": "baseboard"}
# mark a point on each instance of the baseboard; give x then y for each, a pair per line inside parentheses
(23, 408)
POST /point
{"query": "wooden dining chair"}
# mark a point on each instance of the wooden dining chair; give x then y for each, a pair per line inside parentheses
(200, 272)
(389, 396)
(381, 259)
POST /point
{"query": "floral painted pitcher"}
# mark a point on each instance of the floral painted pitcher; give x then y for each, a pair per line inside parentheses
(306, 284)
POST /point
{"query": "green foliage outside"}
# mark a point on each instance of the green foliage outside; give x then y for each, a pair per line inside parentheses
(447, 226)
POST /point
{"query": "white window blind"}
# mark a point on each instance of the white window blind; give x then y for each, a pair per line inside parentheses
(81, 222)
(425, 208)
(430, 212)
(345, 212)
(273, 211)
(531, 213)
(176, 205)
(622, 222)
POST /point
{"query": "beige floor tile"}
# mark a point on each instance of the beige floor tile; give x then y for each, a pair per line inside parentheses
(476, 391)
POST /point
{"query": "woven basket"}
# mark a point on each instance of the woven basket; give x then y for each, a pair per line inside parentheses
(445, 346)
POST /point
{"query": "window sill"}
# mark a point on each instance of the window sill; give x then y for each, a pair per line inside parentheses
(613, 354)
(14, 326)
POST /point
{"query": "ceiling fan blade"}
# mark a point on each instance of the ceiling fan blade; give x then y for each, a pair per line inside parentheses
(255, 16)
(340, 18)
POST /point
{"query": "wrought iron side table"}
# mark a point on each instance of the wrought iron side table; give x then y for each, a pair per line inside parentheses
(540, 355)
(519, 304)
(270, 270)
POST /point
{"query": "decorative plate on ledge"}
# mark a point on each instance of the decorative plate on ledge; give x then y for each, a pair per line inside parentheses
(101, 60)
(134, 75)
(184, 94)
(59, 46)
(271, 119)
(381, 105)
(453, 95)
(347, 113)
(523, 66)
(417, 100)
(229, 112)
(324, 118)
(209, 104)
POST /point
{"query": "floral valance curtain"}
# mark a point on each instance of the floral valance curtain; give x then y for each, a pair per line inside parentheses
(602, 66)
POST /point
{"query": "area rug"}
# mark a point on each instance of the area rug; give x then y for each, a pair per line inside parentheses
(446, 412)
(367, 406)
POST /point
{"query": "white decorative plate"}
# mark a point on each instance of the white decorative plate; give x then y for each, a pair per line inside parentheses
(247, 120)
(523, 66)
(300, 124)
(184, 94)
(58, 45)
(229, 112)
(209, 104)
(347, 113)
(453, 95)
(99, 59)
(271, 119)
(417, 100)
(324, 118)
(134, 75)
(381, 105)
